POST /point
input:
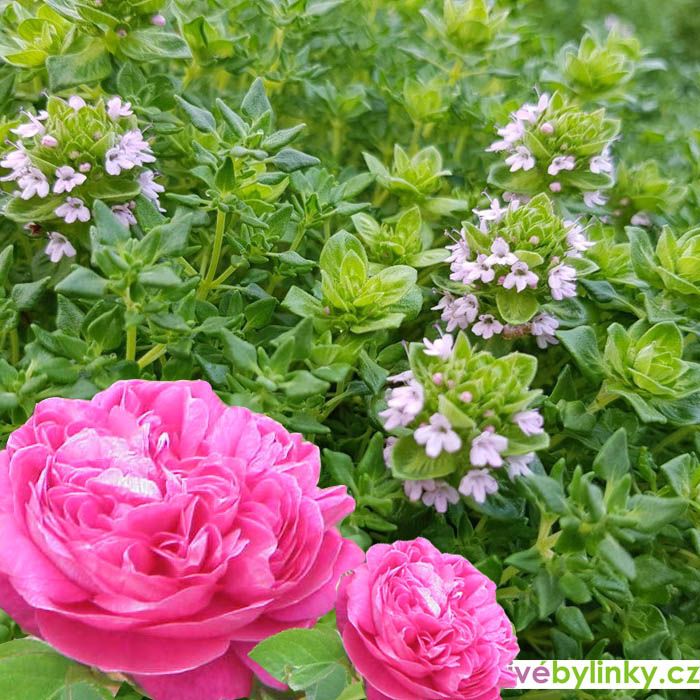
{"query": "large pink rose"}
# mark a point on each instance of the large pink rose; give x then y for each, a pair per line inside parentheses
(157, 532)
(421, 625)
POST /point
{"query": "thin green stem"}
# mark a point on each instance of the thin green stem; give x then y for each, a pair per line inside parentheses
(206, 284)
(152, 355)
(131, 343)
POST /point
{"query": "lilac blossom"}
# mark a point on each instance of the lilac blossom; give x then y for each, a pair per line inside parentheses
(530, 112)
(438, 495)
(437, 436)
(487, 326)
(530, 422)
(594, 199)
(471, 271)
(478, 484)
(72, 210)
(543, 326)
(413, 488)
(67, 179)
(58, 247)
(520, 277)
(124, 213)
(33, 127)
(457, 313)
(486, 449)
(116, 108)
(517, 465)
(150, 188)
(500, 253)
(33, 182)
(440, 347)
(562, 282)
(561, 163)
(520, 159)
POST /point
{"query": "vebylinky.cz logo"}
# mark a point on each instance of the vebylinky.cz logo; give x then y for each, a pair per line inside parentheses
(607, 675)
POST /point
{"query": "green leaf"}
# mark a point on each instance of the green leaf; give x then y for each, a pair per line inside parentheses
(303, 658)
(108, 230)
(201, 119)
(30, 670)
(153, 43)
(84, 283)
(611, 551)
(612, 462)
(409, 461)
(289, 159)
(583, 347)
(27, 294)
(255, 103)
(302, 303)
(90, 65)
(240, 353)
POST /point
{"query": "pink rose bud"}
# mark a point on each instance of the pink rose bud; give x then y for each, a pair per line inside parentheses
(555, 186)
(158, 20)
(466, 396)
(465, 641)
(167, 532)
(437, 378)
(547, 128)
(85, 167)
(49, 141)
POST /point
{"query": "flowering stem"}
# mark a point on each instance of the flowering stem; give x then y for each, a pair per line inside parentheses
(206, 284)
(131, 343)
(152, 355)
(601, 401)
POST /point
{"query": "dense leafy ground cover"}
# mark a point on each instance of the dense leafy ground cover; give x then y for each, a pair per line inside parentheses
(285, 198)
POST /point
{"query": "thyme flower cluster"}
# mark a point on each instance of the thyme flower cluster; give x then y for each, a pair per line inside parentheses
(64, 158)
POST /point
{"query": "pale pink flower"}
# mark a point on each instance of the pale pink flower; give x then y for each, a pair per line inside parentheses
(459, 250)
(58, 247)
(530, 422)
(388, 449)
(404, 403)
(487, 326)
(440, 347)
(76, 102)
(576, 238)
(150, 188)
(602, 163)
(478, 483)
(500, 253)
(471, 271)
(520, 277)
(520, 159)
(494, 213)
(439, 495)
(594, 199)
(562, 282)
(158, 21)
(33, 127)
(543, 326)
(531, 112)
(17, 160)
(49, 141)
(116, 108)
(67, 179)
(486, 449)
(437, 436)
(124, 213)
(457, 313)
(561, 163)
(33, 182)
(517, 465)
(72, 210)
(413, 488)
(641, 218)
